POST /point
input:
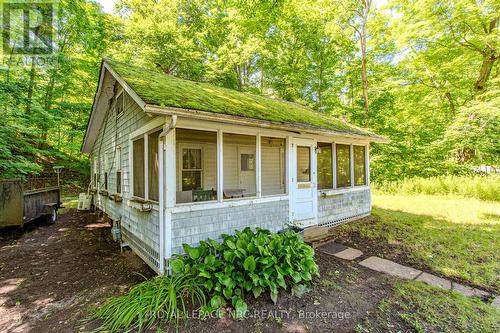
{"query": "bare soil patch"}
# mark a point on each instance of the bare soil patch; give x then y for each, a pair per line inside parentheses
(52, 275)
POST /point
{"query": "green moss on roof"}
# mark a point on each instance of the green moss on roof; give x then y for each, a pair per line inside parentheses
(156, 88)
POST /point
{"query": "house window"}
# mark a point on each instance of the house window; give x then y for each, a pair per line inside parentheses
(119, 103)
(138, 167)
(343, 166)
(191, 169)
(94, 169)
(153, 166)
(273, 166)
(303, 164)
(247, 162)
(118, 170)
(359, 165)
(325, 166)
(106, 181)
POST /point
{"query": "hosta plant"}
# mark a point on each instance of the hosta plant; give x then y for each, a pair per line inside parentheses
(249, 261)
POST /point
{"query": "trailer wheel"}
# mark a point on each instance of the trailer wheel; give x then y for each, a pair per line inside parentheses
(52, 217)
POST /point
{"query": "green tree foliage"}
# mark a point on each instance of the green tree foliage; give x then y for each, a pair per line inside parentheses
(423, 72)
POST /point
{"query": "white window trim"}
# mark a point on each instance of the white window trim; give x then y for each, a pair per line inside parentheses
(367, 183)
(143, 133)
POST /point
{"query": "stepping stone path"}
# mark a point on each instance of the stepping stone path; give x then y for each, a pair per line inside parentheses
(435, 281)
(340, 251)
(405, 272)
(390, 267)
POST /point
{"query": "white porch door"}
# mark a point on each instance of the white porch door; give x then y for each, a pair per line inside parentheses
(305, 196)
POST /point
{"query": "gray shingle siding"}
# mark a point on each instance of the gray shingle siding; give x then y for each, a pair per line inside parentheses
(337, 208)
(140, 229)
(191, 227)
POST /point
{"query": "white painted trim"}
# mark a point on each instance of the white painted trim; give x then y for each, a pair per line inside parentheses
(191, 207)
(151, 126)
(258, 167)
(290, 175)
(367, 162)
(334, 165)
(146, 167)
(351, 160)
(161, 192)
(220, 166)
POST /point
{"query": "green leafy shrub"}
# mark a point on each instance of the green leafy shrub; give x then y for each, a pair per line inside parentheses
(479, 187)
(161, 299)
(256, 262)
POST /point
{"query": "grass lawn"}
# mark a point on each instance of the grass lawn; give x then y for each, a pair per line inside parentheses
(455, 237)
(423, 308)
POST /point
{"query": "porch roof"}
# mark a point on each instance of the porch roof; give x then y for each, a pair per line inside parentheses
(166, 91)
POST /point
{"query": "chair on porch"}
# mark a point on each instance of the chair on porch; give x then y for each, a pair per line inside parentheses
(204, 195)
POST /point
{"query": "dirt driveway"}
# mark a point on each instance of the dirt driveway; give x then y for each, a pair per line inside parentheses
(50, 275)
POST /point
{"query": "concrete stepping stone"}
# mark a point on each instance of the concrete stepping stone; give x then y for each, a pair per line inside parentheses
(469, 291)
(496, 302)
(340, 251)
(434, 280)
(390, 267)
(349, 254)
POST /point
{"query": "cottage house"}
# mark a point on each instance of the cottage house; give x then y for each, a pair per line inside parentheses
(175, 161)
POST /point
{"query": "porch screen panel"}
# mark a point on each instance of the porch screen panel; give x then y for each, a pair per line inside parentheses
(359, 165)
(153, 166)
(273, 166)
(343, 165)
(196, 165)
(325, 166)
(239, 154)
(138, 167)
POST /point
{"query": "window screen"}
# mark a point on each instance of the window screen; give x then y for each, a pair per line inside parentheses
(325, 170)
(153, 166)
(138, 167)
(359, 166)
(343, 165)
(303, 164)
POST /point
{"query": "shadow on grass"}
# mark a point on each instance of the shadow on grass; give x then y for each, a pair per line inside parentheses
(466, 252)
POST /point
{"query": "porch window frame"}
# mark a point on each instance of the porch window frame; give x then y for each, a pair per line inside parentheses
(145, 132)
(221, 129)
(366, 164)
(257, 170)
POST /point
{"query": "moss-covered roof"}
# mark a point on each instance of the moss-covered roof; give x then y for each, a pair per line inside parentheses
(156, 88)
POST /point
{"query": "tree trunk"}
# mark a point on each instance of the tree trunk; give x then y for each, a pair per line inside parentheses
(31, 86)
(362, 38)
(489, 59)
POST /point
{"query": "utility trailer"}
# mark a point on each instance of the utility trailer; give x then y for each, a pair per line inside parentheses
(22, 202)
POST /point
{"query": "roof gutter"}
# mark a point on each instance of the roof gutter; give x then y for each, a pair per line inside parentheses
(219, 117)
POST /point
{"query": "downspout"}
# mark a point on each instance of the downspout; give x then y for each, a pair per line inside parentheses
(161, 155)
